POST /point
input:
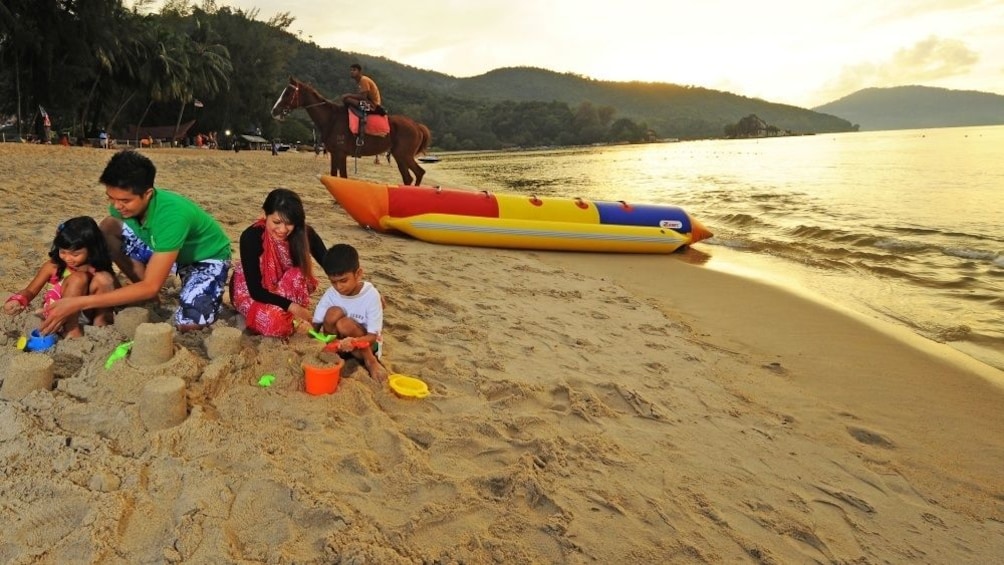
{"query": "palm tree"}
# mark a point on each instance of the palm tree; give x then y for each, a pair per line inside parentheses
(105, 31)
(20, 26)
(130, 61)
(165, 74)
(209, 68)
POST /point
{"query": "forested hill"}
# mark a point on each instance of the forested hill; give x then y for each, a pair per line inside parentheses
(102, 65)
(912, 107)
(670, 110)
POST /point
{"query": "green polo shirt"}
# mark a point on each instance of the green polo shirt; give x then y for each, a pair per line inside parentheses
(175, 223)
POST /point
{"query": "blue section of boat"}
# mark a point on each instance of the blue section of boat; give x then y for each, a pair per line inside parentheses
(654, 215)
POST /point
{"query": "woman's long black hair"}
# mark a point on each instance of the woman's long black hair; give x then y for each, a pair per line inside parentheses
(288, 205)
(81, 232)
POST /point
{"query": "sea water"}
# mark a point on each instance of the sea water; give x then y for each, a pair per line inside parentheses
(906, 226)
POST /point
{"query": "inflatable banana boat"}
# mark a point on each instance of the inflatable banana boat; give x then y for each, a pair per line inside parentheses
(484, 219)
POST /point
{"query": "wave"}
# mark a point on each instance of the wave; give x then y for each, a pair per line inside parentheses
(731, 243)
(913, 231)
(814, 232)
(954, 333)
(966, 253)
(836, 235)
(960, 283)
(841, 241)
(975, 235)
(901, 245)
(742, 220)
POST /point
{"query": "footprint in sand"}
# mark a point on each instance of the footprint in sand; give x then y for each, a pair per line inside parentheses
(847, 498)
(560, 400)
(45, 525)
(775, 367)
(869, 437)
(626, 401)
(649, 329)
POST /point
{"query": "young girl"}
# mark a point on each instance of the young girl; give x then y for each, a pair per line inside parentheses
(79, 264)
(273, 281)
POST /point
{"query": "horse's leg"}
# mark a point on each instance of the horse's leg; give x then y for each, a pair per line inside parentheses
(403, 167)
(418, 145)
(408, 164)
(334, 165)
(419, 172)
(343, 166)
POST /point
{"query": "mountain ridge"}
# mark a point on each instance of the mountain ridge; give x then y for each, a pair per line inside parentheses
(916, 107)
(671, 110)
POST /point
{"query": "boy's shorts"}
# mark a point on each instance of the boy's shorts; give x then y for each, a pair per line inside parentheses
(202, 282)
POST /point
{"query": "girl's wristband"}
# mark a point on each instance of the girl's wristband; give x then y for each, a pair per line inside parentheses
(19, 298)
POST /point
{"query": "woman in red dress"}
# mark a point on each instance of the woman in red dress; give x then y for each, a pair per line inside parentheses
(274, 279)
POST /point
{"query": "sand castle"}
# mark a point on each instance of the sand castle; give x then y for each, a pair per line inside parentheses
(27, 372)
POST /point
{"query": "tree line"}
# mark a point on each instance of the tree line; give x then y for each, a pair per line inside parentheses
(753, 126)
(98, 64)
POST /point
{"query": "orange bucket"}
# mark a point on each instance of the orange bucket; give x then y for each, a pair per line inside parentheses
(321, 380)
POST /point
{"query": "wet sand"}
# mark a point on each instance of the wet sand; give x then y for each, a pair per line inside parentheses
(584, 409)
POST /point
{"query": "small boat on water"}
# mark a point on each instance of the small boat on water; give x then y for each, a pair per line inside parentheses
(429, 159)
(483, 219)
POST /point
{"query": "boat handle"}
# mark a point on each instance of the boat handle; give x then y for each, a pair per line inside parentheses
(580, 203)
(486, 193)
(536, 201)
(625, 205)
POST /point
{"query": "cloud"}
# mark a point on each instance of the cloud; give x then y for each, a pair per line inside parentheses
(930, 59)
(925, 62)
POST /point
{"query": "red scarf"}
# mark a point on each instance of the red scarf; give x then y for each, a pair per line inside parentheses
(278, 276)
(276, 262)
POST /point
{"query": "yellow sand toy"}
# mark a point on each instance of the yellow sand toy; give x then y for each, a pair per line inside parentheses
(408, 387)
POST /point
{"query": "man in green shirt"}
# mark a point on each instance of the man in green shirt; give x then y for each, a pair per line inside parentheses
(150, 233)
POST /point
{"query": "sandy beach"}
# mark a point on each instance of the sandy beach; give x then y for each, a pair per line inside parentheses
(584, 409)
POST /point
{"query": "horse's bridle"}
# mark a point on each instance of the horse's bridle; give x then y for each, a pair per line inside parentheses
(294, 101)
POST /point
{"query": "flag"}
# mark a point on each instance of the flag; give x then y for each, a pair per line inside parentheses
(198, 103)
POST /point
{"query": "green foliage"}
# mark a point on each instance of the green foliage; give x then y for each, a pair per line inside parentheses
(96, 64)
(752, 126)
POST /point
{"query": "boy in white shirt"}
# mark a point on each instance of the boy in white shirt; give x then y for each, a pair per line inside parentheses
(352, 309)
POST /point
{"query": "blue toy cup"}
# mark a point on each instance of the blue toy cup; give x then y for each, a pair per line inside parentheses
(39, 342)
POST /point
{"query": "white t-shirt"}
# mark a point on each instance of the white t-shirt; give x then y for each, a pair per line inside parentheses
(365, 308)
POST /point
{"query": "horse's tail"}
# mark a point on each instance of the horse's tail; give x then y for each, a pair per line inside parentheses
(426, 138)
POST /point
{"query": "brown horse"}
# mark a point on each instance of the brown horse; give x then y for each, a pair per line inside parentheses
(406, 140)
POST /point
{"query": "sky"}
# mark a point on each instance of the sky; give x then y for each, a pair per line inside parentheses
(798, 52)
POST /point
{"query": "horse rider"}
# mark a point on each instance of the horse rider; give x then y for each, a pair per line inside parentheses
(366, 99)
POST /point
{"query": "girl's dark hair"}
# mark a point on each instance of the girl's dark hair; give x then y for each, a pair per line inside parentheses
(81, 232)
(288, 205)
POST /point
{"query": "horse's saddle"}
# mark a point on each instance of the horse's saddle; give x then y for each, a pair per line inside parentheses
(370, 123)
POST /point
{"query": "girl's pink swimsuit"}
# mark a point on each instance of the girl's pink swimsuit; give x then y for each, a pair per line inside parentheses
(55, 290)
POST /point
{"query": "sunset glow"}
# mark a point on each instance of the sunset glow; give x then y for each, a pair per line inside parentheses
(801, 53)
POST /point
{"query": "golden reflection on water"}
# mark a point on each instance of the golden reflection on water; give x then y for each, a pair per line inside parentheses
(902, 224)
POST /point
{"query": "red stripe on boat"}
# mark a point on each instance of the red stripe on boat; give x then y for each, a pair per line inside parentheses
(406, 201)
